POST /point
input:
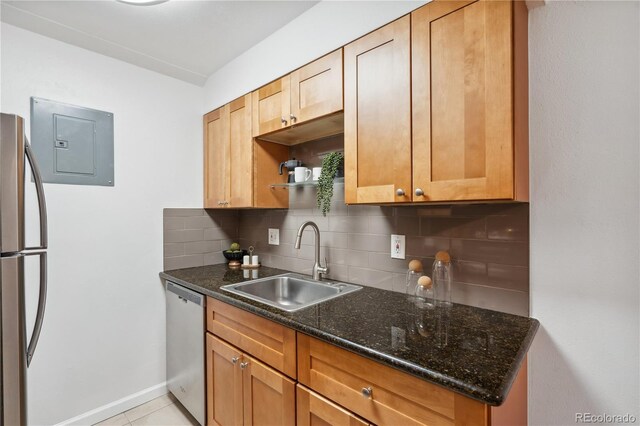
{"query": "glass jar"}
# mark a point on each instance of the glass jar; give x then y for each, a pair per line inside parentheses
(441, 275)
(411, 280)
(424, 293)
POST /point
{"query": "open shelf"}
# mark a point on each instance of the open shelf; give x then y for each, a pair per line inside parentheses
(339, 180)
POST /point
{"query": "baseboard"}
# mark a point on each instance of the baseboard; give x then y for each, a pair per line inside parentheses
(117, 407)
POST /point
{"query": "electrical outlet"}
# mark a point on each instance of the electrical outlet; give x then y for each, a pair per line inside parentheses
(397, 246)
(274, 236)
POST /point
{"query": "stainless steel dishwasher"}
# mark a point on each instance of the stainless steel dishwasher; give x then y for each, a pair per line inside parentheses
(185, 348)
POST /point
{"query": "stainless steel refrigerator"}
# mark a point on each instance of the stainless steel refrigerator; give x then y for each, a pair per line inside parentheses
(16, 349)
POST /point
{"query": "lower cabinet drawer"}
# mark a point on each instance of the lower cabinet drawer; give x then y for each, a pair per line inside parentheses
(314, 410)
(381, 394)
(272, 343)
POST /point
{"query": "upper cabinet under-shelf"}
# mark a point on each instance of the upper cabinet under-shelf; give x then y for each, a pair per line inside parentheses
(302, 106)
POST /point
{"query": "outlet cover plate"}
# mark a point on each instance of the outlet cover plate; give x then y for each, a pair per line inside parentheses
(274, 236)
(397, 246)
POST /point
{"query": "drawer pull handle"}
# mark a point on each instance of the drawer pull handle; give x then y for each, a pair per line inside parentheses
(367, 392)
(244, 365)
(235, 360)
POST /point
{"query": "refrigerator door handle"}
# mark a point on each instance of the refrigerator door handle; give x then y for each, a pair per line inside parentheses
(42, 203)
(42, 301)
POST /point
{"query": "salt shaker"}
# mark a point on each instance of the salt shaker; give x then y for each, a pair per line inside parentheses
(441, 275)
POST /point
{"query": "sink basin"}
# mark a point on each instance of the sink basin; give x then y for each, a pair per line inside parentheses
(290, 292)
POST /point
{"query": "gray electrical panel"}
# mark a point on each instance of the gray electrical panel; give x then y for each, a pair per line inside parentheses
(73, 145)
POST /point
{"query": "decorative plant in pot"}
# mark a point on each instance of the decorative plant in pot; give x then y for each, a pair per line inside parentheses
(331, 163)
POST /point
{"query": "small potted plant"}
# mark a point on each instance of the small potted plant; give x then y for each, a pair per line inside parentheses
(331, 164)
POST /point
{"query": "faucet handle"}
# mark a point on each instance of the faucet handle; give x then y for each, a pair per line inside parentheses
(324, 269)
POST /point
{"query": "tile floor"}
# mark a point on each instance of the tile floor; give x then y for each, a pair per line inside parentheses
(162, 411)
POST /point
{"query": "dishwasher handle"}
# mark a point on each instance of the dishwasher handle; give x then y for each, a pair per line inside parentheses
(185, 295)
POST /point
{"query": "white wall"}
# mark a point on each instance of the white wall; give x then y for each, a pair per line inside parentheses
(103, 337)
(320, 30)
(584, 210)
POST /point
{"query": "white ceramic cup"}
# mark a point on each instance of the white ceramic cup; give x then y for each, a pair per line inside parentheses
(302, 174)
(315, 175)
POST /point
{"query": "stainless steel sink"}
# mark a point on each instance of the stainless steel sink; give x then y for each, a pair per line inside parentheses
(290, 292)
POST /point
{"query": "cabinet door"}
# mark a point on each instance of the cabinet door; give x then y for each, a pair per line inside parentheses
(316, 88)
(314, 410)
(269, 397)
(240, 153)
(216, 157)
(462, 101)
(377, 116)
(224, 383)
(271, 106)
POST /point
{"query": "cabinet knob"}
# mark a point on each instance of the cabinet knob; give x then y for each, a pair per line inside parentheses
(419, 192)
(219, 203)
(244, 365)
(293, 118)
(235, 360)
(283, 120)
(367, 392)
(400, 192)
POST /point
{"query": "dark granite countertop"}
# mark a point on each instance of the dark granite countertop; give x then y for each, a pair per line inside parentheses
(473, 351)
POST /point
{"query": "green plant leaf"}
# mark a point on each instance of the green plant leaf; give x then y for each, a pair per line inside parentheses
(330, 165)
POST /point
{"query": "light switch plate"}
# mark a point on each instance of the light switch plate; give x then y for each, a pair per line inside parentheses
(397, 246)
(274, 236)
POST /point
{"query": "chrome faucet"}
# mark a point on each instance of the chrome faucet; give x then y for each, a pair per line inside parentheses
(318, 270)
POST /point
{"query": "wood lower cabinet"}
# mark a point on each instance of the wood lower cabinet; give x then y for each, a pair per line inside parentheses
(377, 116)
(268, 396)
(272, 343)
(469, 132)
(379, 393)
(224, 383)
(253, 363)
(243, 391)
(315, 410)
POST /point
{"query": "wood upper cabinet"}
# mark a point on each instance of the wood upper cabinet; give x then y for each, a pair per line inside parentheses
(240, 153)
(228, 154)
(310, 92)
(468, 104)
(243, 391)
(271, 106)
(316, 88)
(216, 157)
(377, 116)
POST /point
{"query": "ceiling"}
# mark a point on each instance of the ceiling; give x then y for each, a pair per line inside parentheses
(185, 39)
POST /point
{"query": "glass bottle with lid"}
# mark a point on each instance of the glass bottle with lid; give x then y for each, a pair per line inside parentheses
(424, 293)
(441, 275)
(413, 274)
